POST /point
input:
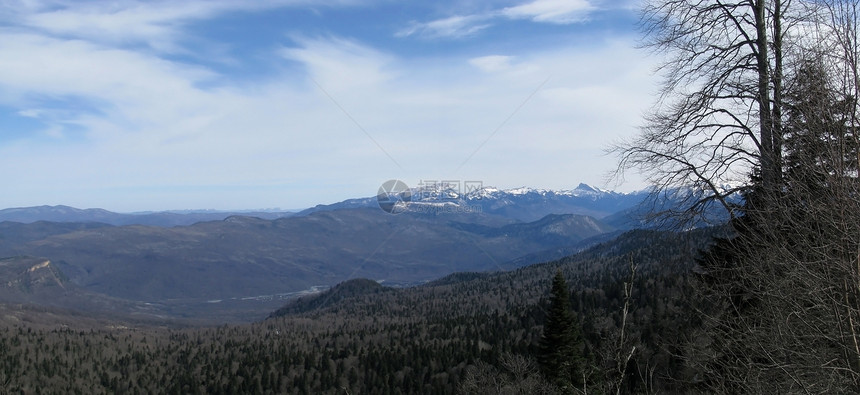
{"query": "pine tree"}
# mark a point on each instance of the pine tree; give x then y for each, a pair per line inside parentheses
(561, 343)
(820, 145)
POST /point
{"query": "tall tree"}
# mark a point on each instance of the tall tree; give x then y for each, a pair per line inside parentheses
(818, 138)
(714, 121)
(560, 345)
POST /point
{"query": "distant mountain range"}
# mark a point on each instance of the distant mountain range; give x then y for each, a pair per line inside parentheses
(521, 204)
(242, 267)
(162, 218)
(185, 269)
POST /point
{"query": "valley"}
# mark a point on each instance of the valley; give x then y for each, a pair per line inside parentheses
(332, 298)
(241, 268)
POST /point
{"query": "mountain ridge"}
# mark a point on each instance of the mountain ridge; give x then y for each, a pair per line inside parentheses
(241, 266)
(63, 213)
(202, 268)
(522, 204)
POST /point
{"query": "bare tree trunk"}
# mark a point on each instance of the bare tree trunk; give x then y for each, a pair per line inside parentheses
(777, 88)
(767, 154)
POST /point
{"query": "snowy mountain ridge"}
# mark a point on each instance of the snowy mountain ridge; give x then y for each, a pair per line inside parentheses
(443, 191)
(522, 204)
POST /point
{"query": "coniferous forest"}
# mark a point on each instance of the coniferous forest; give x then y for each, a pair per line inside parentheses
(458, 334)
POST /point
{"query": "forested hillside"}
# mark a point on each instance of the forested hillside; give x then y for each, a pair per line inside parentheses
(362, 338)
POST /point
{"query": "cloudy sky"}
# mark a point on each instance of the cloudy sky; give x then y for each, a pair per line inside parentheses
(235, 104)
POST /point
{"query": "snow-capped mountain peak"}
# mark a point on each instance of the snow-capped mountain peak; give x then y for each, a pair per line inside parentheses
(522, 203)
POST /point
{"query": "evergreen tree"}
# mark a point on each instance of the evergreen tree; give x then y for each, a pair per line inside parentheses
(561, 343)
(819, 140)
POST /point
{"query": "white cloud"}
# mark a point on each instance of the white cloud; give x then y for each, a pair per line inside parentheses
(492, 63)
(122, 25)
(148, 131)
(551, 11)
(287, 136)
(30, 113)
(158, 24)
(454, 26)
(542, 11)
(339, 63)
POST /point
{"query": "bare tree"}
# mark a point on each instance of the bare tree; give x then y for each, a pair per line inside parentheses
(621, 352)
(714, 120)
(519, 375)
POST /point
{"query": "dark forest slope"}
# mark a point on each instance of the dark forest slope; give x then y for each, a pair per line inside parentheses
(370, 339)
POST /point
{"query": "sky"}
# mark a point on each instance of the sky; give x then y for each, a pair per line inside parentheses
(235, 104)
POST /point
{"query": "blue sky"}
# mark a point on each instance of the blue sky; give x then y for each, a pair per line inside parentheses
(228, 104)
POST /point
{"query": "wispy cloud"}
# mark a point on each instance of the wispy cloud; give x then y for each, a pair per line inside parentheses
(492, 63)
(157, 24)
(125, 123)
(454, 26)
(541, 11)
(340, 63)
(551, 11)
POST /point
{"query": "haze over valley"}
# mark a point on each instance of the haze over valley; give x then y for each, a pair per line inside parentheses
(242, 267)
